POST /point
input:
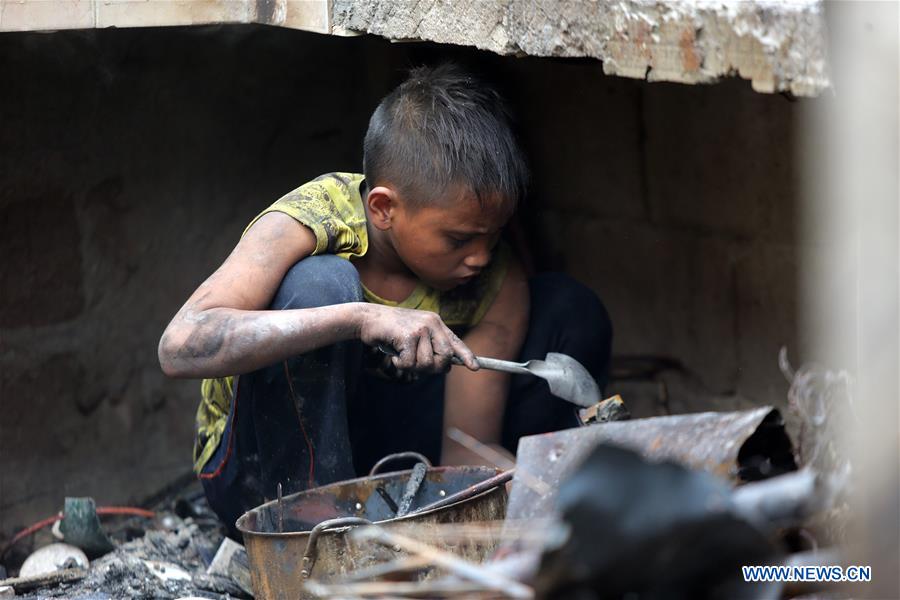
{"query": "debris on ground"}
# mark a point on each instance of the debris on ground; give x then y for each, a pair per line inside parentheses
(166, 558)
(46, 580)
(662, 507)
(662, 531)
(231, 562)
(665, 507)
(738, 446)
(55, 557)
(611, 409)
(629, 538)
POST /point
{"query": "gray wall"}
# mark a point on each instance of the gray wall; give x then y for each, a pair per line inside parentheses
(132, 159)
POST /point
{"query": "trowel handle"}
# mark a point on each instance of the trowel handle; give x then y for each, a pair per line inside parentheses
(494, 364)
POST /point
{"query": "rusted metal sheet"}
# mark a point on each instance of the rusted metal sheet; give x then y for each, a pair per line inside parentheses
(739, 446)
(277, 559)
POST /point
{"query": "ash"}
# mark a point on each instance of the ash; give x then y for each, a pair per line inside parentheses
(164, 559)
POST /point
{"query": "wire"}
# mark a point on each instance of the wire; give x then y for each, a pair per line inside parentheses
(101, 511)
(312, 457)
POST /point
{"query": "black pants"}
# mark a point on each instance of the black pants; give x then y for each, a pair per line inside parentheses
(319, 417)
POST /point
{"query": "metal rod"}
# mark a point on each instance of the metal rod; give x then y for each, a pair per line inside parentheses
(480, 448)
(469, 492)
(387, 499)
(280, 510)
(412, 487)
(489, 454)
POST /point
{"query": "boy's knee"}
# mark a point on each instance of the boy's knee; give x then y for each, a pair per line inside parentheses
(569, 306)
(318, 281)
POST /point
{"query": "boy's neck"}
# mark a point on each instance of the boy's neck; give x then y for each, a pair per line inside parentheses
(381, 270)
(381, 256)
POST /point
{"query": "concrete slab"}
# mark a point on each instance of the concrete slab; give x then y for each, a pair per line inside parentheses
(777, 46)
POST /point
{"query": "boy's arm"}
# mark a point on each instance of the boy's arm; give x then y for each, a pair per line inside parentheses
(224, 327)
(474, 401)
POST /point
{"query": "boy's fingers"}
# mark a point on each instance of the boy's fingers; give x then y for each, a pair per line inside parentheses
(424, 354)
(463, 353)
(443, 351)
(406, 357)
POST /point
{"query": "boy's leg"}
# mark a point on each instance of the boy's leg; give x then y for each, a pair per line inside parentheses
(565, 317)
(290, 430)
(389, 416)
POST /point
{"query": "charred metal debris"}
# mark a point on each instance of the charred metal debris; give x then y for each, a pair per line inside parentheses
(662, 507)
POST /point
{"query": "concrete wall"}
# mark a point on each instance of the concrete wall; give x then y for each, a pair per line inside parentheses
(131, 161)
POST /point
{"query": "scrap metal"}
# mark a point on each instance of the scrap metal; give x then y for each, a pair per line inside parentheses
(738, 446)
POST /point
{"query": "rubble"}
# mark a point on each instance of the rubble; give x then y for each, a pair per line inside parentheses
(661, 531)
(231, 561)
(629, 538)
(55, 557)
(81, 526)
(661, 507)
(164, 558)
(22, 584)
(740, 446)
(611, 409)
(161, 564)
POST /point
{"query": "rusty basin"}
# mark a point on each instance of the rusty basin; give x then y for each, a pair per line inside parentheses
(278, 536)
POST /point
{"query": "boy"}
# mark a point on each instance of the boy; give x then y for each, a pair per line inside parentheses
(406, 256)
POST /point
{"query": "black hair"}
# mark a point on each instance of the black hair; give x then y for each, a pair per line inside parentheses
(440, 128)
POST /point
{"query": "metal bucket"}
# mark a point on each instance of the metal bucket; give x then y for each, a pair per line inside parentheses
(305, 534)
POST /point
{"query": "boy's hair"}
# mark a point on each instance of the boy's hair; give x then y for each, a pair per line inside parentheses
(441, 128)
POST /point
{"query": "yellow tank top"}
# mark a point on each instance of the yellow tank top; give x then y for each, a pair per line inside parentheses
(331, 206)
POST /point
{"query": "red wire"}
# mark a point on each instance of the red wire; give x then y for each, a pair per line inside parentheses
(312, 460)
(33, 529)
(101, 510)
(125, 510)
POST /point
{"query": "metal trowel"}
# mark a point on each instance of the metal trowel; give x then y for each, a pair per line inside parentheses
(567, 378)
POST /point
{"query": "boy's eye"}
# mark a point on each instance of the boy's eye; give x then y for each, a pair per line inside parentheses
(459, 242)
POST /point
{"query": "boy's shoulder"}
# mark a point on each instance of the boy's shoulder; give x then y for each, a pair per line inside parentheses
(331, 206)
(327, 198)
(337, 187)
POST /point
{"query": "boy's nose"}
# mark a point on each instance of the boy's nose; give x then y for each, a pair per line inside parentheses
(478, 260)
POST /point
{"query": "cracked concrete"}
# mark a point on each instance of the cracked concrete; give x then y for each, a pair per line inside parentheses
(777, 46)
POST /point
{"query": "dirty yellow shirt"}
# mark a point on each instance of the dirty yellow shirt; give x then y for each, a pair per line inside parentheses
(331, 206)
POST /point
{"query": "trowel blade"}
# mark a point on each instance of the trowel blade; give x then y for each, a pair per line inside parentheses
(567, 378)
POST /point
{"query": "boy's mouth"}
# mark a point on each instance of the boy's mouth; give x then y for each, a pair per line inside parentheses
(466, 278)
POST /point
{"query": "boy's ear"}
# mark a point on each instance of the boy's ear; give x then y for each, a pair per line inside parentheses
(382, 202)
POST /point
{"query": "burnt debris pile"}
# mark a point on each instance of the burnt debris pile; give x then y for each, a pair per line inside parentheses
(663, 507)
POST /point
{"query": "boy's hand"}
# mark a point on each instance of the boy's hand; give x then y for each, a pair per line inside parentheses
(422, 340)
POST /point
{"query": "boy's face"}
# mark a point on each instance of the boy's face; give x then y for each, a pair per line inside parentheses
(448, 243)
